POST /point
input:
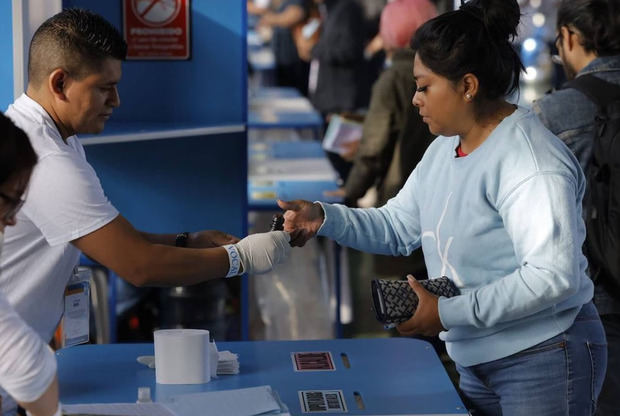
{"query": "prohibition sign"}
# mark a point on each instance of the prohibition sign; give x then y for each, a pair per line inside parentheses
(156, 12)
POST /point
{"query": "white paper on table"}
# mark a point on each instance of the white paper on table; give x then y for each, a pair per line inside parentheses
(282, 104)
(315, 169)
(228, 363)
(239, 402)
(118, 409)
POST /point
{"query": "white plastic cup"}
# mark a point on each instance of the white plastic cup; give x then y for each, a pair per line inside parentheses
(182, 356)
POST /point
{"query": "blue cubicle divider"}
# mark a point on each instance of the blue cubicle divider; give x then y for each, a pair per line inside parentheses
(208, 89)
(6, 52)
(177, 184)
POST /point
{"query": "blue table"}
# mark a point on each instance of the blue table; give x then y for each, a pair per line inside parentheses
(288, 170)
(281, 109)
(273, 149)
(391, 376)
(262, 195)
(268, 119)
(274, 92)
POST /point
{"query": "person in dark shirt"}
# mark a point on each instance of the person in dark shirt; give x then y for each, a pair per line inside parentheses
(291, 71)
(589, 43)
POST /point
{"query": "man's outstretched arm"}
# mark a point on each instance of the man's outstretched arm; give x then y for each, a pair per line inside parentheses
(123, 249)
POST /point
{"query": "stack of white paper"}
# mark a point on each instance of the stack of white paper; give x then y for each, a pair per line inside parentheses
(227, 363)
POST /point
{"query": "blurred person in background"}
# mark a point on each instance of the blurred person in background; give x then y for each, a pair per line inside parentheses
(391, 119)
(394, 135)
(282, 16)
(588, 41)
(338, 80)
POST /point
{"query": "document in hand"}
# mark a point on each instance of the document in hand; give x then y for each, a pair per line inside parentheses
(341, 132)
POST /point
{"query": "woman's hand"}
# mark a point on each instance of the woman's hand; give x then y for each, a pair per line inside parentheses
(302, 219)
(425, 321)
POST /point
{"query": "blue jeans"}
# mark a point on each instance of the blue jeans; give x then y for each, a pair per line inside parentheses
(609, 400)
(560, 376)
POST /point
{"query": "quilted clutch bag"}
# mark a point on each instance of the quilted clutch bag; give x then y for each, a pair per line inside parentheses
(394, 301)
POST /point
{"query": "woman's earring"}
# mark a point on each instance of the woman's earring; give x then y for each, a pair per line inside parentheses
(468, 96)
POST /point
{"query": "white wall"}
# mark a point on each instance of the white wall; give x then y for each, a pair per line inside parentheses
(27, 16)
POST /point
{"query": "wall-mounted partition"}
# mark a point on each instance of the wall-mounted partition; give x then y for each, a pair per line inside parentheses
(207, 89)
(23, 17)
(173, 157)
(6, 52)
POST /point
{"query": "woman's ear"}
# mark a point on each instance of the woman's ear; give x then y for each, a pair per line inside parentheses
(470, 87)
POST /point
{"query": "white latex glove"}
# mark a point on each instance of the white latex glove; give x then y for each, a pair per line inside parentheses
(259, 253)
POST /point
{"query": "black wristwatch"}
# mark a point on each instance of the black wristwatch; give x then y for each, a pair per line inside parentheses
(181, 240)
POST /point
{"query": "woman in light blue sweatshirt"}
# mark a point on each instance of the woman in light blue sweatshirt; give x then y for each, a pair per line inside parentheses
(495, 204)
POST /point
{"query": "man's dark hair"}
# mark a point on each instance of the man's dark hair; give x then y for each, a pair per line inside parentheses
(598, 22)
(75, 40)
(474, 39)
(16, 153)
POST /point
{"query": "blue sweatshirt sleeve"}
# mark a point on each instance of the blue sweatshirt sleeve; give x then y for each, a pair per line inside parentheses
(542, 218)
(393, 229)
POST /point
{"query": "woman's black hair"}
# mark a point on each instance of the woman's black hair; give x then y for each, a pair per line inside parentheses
(474, 39)
(16, 153)
(598, 22)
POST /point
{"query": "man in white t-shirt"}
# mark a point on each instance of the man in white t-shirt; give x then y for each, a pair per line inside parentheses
(74, 68)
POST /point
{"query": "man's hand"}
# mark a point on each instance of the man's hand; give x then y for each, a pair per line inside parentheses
(210, 238)
(425, 321)
(260, 252)
(302, 219)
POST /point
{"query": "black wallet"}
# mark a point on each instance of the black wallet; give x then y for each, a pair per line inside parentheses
(394, 301)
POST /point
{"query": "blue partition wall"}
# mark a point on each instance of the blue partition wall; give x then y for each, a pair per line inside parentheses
(207, 89)
(175, 181)
(6, 52)
(177, 184)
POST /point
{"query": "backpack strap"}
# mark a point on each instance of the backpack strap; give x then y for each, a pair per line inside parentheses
(599, 91)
